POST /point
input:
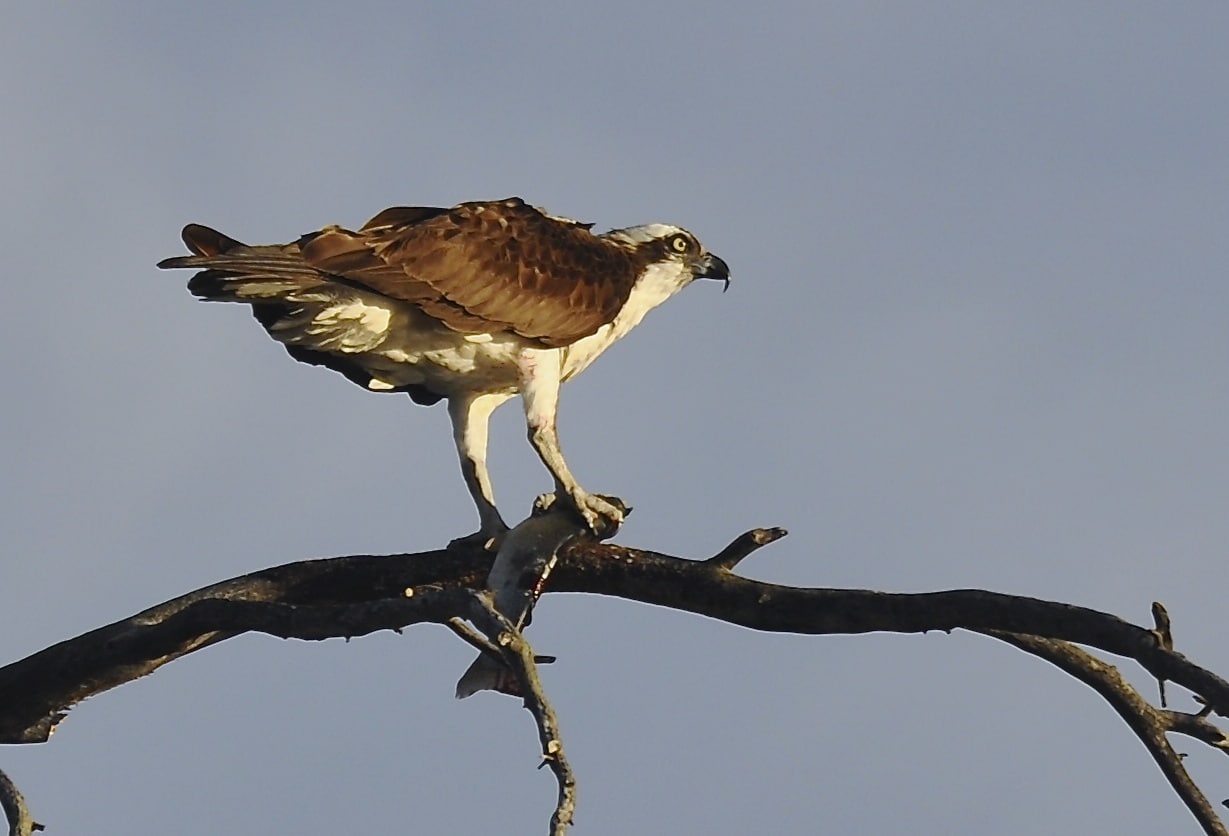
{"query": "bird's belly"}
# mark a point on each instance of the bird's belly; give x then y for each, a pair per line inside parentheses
(448, 362)
(399, 346)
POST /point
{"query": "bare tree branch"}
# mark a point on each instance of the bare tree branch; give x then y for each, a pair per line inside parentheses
(352, 596)
(524, 561)
(1149, 724)
(15, 810)
(692, 586)
(519, 657)
(313, 599)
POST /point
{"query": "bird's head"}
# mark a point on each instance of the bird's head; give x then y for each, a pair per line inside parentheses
(674, 252)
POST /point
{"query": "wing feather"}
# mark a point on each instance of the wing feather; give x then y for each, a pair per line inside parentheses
(479, 267)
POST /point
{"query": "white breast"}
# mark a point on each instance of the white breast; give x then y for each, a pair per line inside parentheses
(658, 283)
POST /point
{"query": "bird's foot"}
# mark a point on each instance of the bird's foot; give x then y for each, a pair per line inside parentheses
(487, 539)
(603, 514)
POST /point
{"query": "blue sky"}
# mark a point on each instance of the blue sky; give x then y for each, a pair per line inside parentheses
(975, 339)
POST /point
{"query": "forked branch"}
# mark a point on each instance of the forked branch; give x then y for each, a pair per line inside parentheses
(1150, 724)
(517, 654)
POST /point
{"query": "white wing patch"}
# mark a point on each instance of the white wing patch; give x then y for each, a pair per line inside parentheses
(351, 326)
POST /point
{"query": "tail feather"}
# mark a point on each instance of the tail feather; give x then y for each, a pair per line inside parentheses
(203, 240)
(232, 271)
(224, 286)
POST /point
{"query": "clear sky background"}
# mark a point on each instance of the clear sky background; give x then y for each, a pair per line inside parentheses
(976, 338)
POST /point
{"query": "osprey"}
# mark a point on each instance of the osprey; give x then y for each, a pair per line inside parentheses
(472, 305)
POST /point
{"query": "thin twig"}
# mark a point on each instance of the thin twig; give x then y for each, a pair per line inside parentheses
(743, 545)
(1197, 726)
(1160, 617)
(1149, 724)
(472, 637)
(518, 655)
(15, 810)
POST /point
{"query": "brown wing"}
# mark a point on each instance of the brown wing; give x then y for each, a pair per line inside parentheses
(483, 267)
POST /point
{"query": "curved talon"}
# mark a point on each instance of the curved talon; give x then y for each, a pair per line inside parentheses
(601, 514)
(602, 517)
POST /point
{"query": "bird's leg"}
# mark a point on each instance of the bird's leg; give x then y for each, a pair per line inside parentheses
(540, 376)
(470, 418)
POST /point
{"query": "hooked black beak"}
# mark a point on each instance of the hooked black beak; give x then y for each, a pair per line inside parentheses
(714, 267)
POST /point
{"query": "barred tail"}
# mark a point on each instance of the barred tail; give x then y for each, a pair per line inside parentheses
(232, 271)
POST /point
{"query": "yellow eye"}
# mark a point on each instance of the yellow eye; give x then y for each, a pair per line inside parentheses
(680, 244)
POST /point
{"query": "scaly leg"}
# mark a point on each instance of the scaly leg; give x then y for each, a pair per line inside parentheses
(540, 375)
(470, 418)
